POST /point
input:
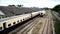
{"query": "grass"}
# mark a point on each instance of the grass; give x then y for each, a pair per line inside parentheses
(57, 28)
(56, 25)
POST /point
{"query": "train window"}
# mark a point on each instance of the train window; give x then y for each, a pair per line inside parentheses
(14, 22)
(23, 19)
(9, 24)
(0, 28)
(18, 21)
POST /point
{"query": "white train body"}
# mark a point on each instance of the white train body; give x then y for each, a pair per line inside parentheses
(11, 21)
(34, 14)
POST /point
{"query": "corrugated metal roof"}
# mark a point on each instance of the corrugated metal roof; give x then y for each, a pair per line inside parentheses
(10, 11)
(1, 13)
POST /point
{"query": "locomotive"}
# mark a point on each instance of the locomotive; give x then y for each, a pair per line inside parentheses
(42, 13)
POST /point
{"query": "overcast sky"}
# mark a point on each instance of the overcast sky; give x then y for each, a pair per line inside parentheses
(31, 3)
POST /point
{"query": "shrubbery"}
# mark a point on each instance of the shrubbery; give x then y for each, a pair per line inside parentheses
(56, 8)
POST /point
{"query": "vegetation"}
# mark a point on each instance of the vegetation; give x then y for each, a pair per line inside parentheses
(15, 5)
(11, 5)
(56, 8)
(56, 25)
(19, 5)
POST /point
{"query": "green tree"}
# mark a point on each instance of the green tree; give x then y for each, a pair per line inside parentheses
(19, 5)
(57, 8)
(11, 5)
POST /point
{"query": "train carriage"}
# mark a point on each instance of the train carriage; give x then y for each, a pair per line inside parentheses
(35, 14)
(8, 22)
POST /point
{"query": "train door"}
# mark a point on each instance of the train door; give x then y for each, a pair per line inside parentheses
(4, 25)
(41, 13)
(31, 15)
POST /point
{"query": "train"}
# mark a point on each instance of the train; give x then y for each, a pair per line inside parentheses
(11, 21)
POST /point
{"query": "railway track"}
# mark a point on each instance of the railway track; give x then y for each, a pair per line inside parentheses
(25, 26)
(28, 27)
(47, 25)
(56, 15)
(44, 28)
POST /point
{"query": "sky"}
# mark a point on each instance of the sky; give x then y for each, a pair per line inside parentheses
(31, 3)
